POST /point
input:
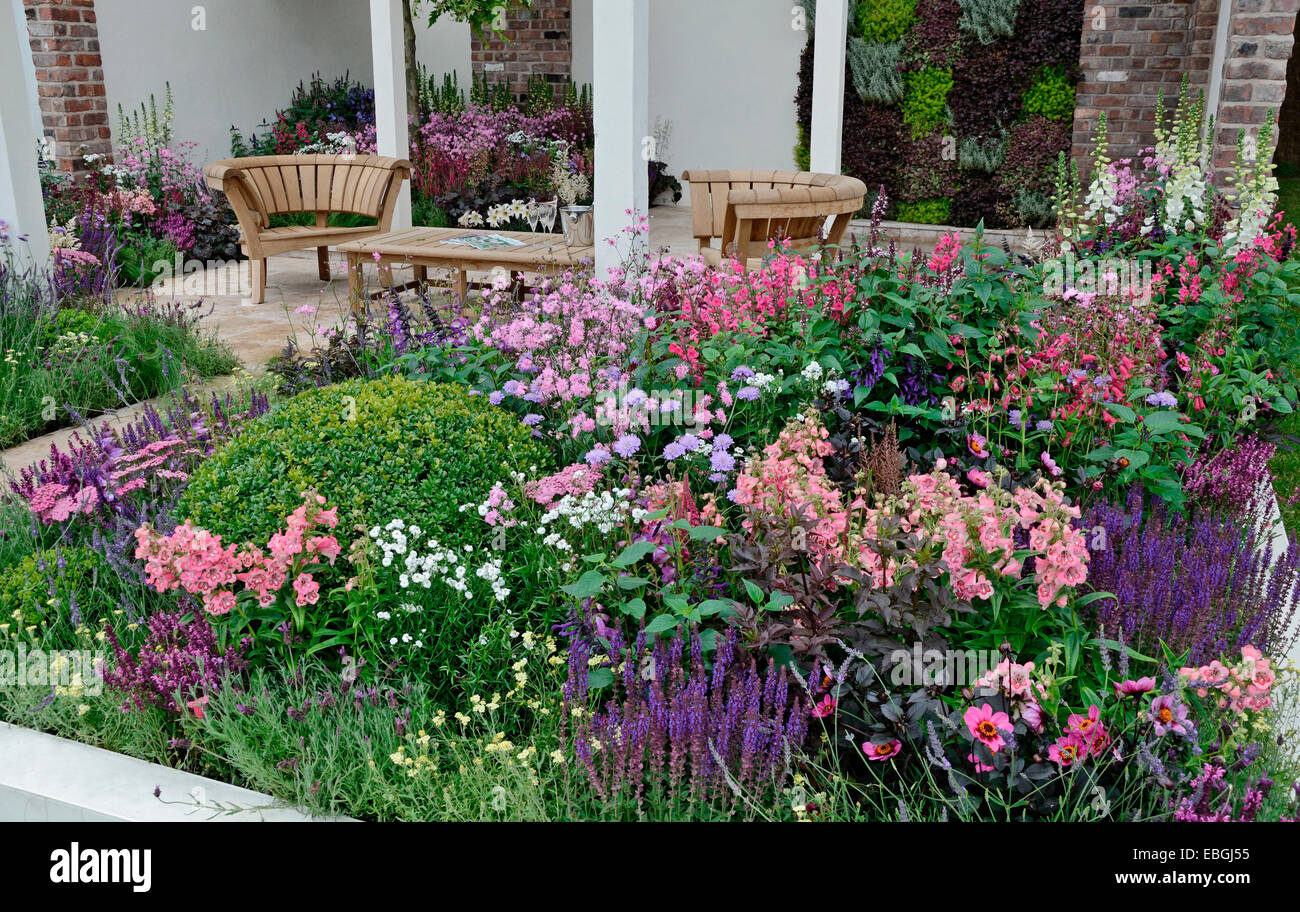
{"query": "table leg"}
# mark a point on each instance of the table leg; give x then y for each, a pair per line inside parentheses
(356, 282)
(386, 274)
(422, 274)
(462, 286)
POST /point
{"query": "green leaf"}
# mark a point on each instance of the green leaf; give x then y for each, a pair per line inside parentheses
(755, 593)
(1122, 412)
(598, 678)
(779, 600)
(635, 607)
(677, 603)
(706, 533)
(710, 607)
(661, 623)
(1163, 422)
(634, 552)
(631, 582)
(587, 586)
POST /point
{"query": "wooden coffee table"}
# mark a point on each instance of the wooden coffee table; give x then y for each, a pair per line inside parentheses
(424, 248)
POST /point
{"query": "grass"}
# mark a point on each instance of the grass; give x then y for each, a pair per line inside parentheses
(1288, 191)
(61, 363)
(1286, 471)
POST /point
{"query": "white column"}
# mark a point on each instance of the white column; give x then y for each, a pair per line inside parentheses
(21, 205)
(831, 37)
(29, 70)
(621, 87)
(391, 122)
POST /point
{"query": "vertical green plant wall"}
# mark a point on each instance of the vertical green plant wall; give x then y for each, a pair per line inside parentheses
(958, 108)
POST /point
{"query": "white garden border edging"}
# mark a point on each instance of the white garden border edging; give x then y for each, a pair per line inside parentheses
(46, 778)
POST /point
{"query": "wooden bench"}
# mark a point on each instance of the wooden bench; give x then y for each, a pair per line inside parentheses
(745, 209)
(261, 186)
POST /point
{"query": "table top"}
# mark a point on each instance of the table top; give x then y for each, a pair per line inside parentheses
(416, 244)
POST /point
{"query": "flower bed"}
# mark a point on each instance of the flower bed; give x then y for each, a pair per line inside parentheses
(965, 536)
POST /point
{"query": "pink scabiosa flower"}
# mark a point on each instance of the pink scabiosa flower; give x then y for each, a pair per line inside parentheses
(825, 708)
(197, 707)
(1168, 714)
(881, 750)
(987, 726)
(1134, 688)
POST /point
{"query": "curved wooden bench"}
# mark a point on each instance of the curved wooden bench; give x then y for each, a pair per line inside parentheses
(261, 186)
(745, 209)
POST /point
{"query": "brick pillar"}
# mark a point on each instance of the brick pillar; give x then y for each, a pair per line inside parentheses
(1129, 51)
(69, 78)
(1254, 73)
(535, 41)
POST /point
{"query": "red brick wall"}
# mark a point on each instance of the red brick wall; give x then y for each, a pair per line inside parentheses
(535, 41)
(69, 78)
(1130, 50)
(1254, 75)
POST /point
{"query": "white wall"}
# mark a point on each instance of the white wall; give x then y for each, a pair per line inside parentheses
(247, 62)
(725, 72)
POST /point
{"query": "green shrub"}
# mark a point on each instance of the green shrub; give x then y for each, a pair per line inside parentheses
(874, 66)
(377, 449)
(802, 151)
(1051, 95)
(926, 212)
(925, 99)
(885, 20)
(138, 255)
(82, 581)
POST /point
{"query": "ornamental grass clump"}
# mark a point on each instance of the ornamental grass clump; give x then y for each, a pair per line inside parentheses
(673, 733)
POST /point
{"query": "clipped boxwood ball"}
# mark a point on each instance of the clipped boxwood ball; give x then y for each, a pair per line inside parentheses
(377, 449)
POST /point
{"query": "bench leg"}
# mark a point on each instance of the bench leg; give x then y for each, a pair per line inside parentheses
(356, 282)
(323, 263)
(257, 272)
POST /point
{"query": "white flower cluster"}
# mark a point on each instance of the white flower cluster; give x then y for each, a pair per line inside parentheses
(421, 565)
(339, 143)
(766, 382)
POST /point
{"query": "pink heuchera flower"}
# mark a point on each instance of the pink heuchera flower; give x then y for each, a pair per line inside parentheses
(987, 726)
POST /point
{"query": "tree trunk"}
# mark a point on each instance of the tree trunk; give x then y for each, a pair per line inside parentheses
(412, 73)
